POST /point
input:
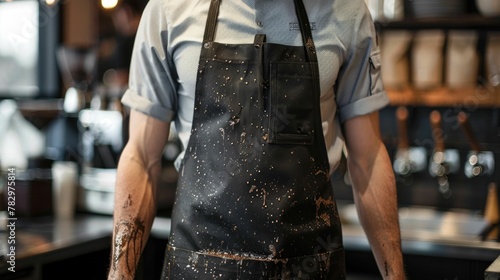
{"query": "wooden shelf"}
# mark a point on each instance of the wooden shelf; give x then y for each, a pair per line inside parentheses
(458, 22)
(445, 97)
(483, 96)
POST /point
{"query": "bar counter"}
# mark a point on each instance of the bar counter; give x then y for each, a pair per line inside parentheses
(450, 241)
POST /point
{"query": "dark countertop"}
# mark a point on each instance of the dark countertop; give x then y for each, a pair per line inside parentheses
(47, 240)
(428, 232)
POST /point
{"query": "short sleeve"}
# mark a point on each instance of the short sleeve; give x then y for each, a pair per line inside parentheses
(152, 78)
(359, 88)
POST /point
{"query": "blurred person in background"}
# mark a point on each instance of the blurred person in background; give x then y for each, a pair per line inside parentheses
(117, 43)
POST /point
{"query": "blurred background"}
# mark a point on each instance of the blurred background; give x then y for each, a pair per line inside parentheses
(64, 67)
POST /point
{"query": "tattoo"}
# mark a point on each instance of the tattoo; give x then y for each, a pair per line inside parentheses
(128, 202)
(127, 234)
(386, 269)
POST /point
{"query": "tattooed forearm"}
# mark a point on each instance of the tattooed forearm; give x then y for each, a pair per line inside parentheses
(128, 243)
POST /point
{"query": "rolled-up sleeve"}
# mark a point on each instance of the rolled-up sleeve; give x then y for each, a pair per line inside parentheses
(359, 88)
(152, 79)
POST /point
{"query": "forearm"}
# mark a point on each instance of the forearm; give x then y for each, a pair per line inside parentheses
(376, 202)
(134, 212)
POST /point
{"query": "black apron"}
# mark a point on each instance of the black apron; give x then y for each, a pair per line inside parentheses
(254, 198)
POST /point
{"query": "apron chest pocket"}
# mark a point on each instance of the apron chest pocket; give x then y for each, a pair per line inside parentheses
(291, 104)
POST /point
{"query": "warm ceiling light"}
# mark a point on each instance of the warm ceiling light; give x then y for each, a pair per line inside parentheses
(109, 4)
(50, 2)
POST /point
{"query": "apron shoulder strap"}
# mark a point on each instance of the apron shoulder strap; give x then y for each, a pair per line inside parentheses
(259, 39)
(305, 30)
(211, 26)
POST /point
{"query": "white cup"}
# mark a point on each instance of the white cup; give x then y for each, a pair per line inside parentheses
(488, 8)
(427, 59)
(394, 46)
(64, 184)
(462, 60)
(394, 10)
(493, 60)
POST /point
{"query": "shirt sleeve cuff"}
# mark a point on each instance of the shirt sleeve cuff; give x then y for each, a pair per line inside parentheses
(363, 106)
(139, 103)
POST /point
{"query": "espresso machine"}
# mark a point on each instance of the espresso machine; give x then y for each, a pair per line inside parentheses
(77, 67)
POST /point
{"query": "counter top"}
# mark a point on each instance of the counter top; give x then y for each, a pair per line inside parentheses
(46, 239)
(428, 232)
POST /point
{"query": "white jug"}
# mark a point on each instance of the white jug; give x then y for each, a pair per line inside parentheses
(488, 8)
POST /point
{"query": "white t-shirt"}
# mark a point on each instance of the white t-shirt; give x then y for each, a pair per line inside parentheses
(168, 44)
